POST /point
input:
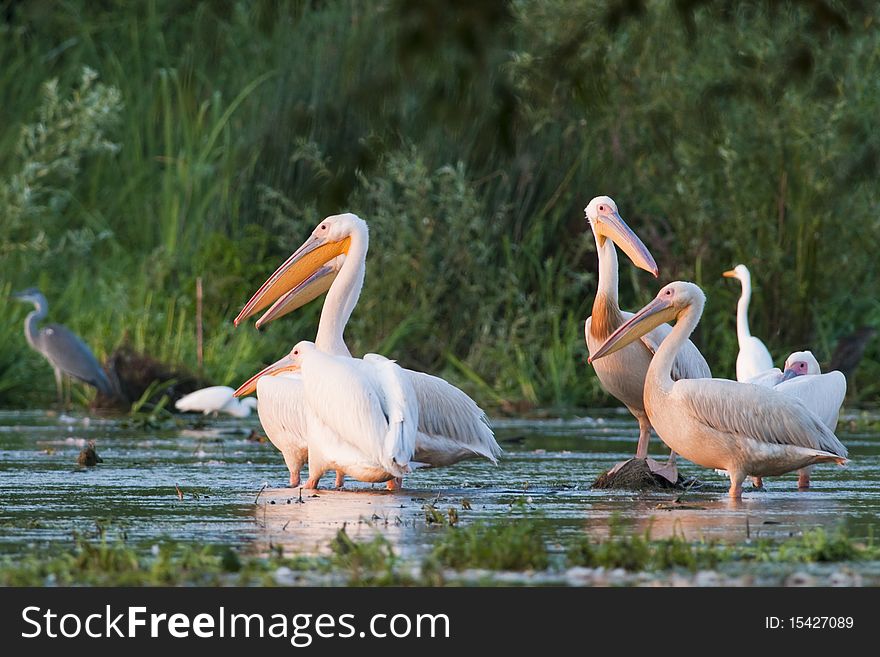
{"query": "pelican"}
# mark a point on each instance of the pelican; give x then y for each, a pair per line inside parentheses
(753, 357)
(65, 351)
(623, 374)
(361, 416)
(451, 425)
(802, 379)
(282, 410)
(214, 400)
(738, 427)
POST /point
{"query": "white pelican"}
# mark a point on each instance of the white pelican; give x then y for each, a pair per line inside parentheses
(798, 363)
(361, 417)
(753, 357)
(451, 425)
(802, 378)
(623, 374)
(215, 400)
(738, 427)
(282, 409)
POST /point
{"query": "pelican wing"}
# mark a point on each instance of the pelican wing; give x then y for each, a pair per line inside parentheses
(357, 401)
(689, 363)
(768, 378)
(751, 412)
(450, 416)
(823, 394)
(400, 405)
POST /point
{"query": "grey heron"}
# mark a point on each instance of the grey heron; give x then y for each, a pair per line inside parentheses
(64, 350)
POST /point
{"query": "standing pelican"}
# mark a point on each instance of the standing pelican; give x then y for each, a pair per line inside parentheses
(361, 415)
(802, 379)
(738, 427)
(282, 408)
(753, 357)
(451, 425)
(64, 350)
(623, 374)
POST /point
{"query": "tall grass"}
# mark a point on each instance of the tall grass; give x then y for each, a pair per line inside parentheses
(207, 139)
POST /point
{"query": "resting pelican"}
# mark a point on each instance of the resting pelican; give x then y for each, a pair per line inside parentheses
(802, 378)
(451, 425)
(753, 357)
(361, 415)
(214, 400)
(623, 375)
(738, 427)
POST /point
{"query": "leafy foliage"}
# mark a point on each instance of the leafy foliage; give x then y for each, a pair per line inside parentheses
(143, 148)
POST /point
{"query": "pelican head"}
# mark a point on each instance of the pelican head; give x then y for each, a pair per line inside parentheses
(741, 273)
(800, 363)
(672, 300)
(606, 222)
(308, 272)
(292, 362)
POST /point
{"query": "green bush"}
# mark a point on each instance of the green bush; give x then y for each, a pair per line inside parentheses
(148, 145)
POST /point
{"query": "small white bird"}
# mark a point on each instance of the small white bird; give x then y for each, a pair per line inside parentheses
(753, 357)
(215, 400)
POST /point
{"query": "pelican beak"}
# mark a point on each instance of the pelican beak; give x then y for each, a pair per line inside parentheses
(285, 364)
(306, 260)
(658, 312)
(788, 374)
(614, 227)
(729, 274)
(311, 288)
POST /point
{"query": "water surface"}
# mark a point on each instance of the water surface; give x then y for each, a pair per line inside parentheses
(233, 489)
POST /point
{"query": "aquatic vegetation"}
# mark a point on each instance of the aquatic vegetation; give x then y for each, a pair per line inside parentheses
(496, 546)
(366, 563)
(635, 552)
(508, 545)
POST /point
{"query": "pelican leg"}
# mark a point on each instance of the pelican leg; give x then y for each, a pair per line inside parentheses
(394, 484)
(758, 482)
(644, 436)
(804, 478)
(736, 485)
(340, 478)
(294, 465)
(315, 474)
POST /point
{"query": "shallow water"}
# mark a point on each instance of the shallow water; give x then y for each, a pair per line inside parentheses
(548, 464)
